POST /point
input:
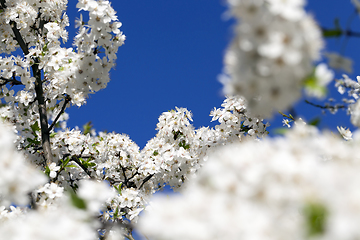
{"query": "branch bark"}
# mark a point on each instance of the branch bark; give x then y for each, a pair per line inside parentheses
(45, 134)
(66, 101)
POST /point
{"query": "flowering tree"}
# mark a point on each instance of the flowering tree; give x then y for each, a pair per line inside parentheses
(57, 183)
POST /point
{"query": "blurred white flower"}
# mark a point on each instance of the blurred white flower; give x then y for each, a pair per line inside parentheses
(338, 61)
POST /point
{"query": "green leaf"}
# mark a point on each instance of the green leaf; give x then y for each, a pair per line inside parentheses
(52, 134)
(76, 201)
(329, 33)
(315, 121)
(334, 32)
(116, 213)
(156, 153)
(45, 48)
(280, 131)
(91, 164)
(47, 171)
(33, 141)
(289, 117)
(35, 127)
(71, 166)
(118, 188)
(184, 145)
(87, 163)
(315, 218)
(87, 128)
(312, 83)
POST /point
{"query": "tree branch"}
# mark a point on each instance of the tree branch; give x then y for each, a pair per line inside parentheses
(129, 236)
(45, 133)
(45, 136)
(75, 159)
(16, 32)
(145, 180)
(12, 81)
(67, 100)
(325, 107)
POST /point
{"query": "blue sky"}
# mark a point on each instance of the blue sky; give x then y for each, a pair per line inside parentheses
(173, 55)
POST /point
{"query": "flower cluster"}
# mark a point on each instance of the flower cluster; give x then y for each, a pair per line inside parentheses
(271, 54)
(69, 75)
(172, 157)
(271, 189)
(85, 185)
(17, 177)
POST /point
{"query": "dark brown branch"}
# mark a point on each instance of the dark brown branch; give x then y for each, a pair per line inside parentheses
(123, 170)
(145, 180)
(127, 182)
(351, 33)
(12, 81)
(76, 159)
(45, 136)
(66, 101)
(32, 201)
(136, 173)
(325, 107)
(16, 32)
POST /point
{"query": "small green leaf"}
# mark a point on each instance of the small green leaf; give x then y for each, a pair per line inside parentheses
(329, 33)
(52, 134)
(312, 83)
(35, 127)
(33, 141)
(315, 217)
(334, 32)
(116, 213)
(156, 153)
(118, 188)
(87, 128)
(71, 166)
(45, 48)
(47, 171)
(289, 117)
(280, 131)
(315, 121)
(91, 164)
(76, 201)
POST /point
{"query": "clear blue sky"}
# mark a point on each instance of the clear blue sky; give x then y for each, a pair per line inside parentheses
(172, 57)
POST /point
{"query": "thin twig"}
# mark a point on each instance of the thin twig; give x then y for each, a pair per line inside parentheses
(75, 159)
(67, 100)
(145, 180)
(348, 32)
(129, 236)
(325, 107)
(12, 81)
